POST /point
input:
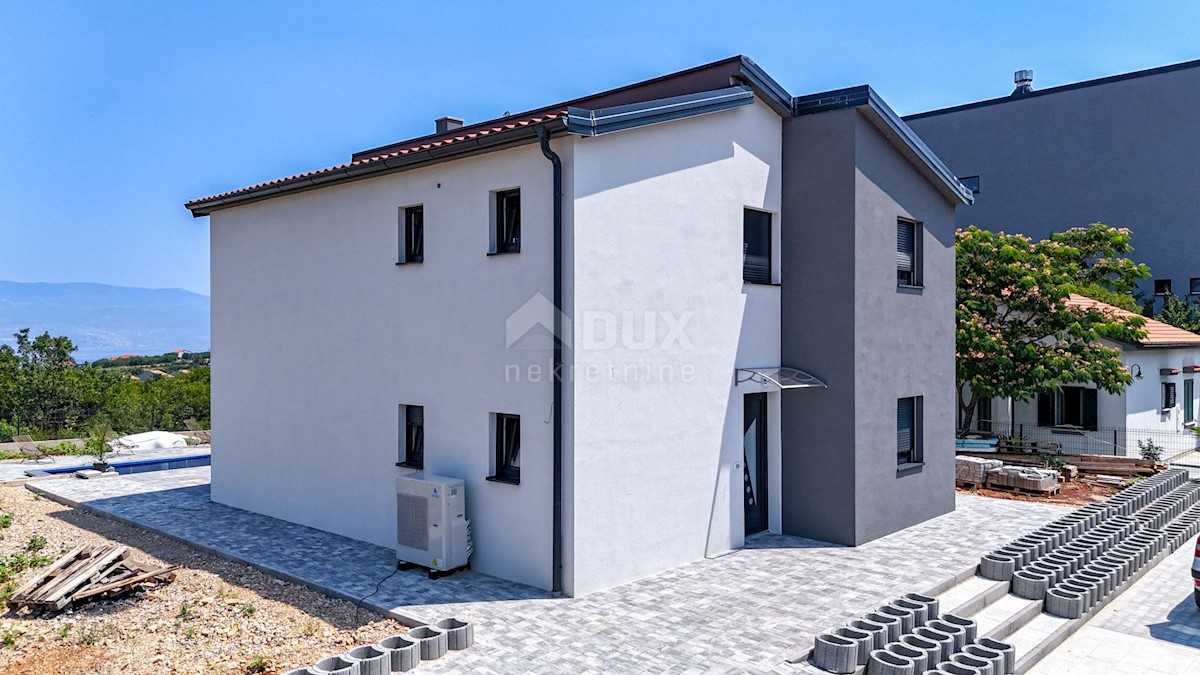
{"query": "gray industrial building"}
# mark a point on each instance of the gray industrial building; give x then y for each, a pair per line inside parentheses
(1122, 150)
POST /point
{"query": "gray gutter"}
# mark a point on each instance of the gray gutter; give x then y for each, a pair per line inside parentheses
(601, 121)
(864, 97)
(765, 86)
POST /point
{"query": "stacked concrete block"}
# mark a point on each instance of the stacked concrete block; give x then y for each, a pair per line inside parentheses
(993, 657)
(944, 641)
(1008, 651)
(918, 657)
(889, 621)
(459, 634)
(865, 642)
(884, 662)
(953, 668)
(908, 620)
(432, 642)
(1022, 478)
(877, 631)
(932, 651)
(369, 660)
(403, 654)
(974, 469)
(334, 665)
(982, 665)
(836, 654)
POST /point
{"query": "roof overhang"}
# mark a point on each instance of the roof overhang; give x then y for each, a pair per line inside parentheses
(780, 376)
(864, 98)
(586, 122)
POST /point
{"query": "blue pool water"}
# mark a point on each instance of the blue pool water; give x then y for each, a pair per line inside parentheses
(135, 466)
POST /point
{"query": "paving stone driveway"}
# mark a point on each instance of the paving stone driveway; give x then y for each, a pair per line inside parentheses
(745, 612)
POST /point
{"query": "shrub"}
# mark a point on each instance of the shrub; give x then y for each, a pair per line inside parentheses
(258, 664)
(1150, 451)
(8, 638)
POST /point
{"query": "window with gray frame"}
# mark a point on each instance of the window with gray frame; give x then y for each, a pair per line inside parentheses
(508, 221)
(508, 448)
(1162, 286)
(908, 252)
(414, 436)
(1189, 401)
(908, 431)
(756, 247)
(1168, 395)
(412, 234)
(1194, 286)
(1069, 407)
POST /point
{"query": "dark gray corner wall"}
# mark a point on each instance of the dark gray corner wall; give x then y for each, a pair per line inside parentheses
(817, 259)
(1123, 153)
(904, 340)
(844, 186)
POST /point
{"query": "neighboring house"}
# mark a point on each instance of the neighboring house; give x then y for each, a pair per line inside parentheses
(1120, 149)
(1160, 405)
(704, 234)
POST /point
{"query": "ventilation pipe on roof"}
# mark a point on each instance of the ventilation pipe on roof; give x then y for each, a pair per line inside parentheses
(556, 555)
(448, 123)
(1024, 81)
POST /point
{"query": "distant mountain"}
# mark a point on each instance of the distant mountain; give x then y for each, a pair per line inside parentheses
(106, 321)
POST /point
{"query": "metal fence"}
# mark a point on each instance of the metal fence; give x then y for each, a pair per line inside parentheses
(1119, 441)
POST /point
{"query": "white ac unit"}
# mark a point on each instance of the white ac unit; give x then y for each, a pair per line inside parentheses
(432, 529)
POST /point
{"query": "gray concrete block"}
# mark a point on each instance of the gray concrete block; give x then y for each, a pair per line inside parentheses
(992, 656)
(369, 660)
(459, 634)
(404, 653)
(1065, 603)
(877, 631)
(997, 566)
(968, 625)
(931, 603)
(918, 656)
(432, 642)
(835, 654)
(883, 662)
(954, 630)
(865, 643)
(944, 640)
(1009, 652)
(954, 668)
(982, 665)
(919, 610)
(932, 650)
(334, 665)
(1030, 584)
(906, 616)
(895, 628)
(300, 671)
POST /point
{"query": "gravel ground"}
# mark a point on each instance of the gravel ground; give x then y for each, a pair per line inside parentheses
(216, 617)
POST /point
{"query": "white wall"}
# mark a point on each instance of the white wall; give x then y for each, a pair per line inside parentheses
(318, 337)
(658, 227)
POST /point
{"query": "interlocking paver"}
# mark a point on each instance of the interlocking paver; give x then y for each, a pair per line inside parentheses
(745, 612)
(11, 470)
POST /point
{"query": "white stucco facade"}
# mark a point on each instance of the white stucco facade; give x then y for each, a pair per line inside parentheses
(319, 337)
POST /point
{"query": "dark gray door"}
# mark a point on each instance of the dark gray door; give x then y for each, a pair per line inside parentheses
(754, 448)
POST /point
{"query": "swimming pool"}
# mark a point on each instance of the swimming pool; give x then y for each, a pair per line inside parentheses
(133, 466)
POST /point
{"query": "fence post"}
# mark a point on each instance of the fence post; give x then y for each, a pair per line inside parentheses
(1115, 446)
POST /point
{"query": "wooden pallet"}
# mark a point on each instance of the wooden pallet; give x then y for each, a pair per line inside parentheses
(1023, 491)
(87, 573)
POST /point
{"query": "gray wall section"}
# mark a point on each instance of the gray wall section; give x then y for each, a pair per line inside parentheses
(1123, 153)
(817, 300)
(844, 186)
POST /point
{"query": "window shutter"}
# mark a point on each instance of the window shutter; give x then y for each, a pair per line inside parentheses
(415, 414)
(1045, 407)
(905, 246)
(1168, 395)
(1189, 412)
(1091, 415)
(904, 425)
(756, 247)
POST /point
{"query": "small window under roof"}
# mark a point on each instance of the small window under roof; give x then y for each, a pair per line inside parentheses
(781, 376)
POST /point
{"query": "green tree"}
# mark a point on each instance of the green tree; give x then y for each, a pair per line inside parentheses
(1017, 336)
(1180, 313)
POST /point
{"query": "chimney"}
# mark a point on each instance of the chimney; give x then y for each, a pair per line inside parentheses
(447, 123)
(1024, 81)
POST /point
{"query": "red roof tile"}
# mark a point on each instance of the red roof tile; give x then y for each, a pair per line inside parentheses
(1158, 334)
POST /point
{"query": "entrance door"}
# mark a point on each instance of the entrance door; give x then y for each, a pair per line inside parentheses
(754, 448)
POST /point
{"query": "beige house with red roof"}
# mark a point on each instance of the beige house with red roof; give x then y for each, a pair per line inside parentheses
(1161, 405)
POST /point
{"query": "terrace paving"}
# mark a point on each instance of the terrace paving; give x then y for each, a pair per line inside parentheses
(745, 612)
(14, 470)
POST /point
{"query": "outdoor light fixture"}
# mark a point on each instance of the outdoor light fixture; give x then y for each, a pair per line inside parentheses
(1136, 371)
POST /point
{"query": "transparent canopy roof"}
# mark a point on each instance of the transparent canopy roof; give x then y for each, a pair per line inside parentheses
(782, 377)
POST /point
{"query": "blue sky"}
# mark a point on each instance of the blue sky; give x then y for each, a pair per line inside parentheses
(113, 114)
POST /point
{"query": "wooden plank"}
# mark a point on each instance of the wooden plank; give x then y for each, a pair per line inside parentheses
(132, 581)
(63, 575)
(83, 575)
(46, 573)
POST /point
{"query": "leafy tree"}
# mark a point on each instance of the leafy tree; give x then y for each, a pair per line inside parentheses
(1017, 336)
(1180, 313)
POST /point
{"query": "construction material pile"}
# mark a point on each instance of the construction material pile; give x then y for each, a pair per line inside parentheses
(87, 573)
(977, 472)
(974, 469)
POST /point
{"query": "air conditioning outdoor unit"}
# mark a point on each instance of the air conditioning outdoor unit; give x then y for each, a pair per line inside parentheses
(432, 529)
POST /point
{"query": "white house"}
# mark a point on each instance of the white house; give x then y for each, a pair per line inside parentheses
(1159, 406)
(735, 353)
